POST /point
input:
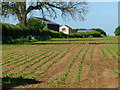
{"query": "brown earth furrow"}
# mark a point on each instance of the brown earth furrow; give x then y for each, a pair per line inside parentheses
(18, 56)
(85, 65)
(102, 75)
(15, 70)
(18, 52)
(5, 66)
(33, 66)
(72, 77)
(45, 65)
(113, 51)
(60, 67)
(113, 62)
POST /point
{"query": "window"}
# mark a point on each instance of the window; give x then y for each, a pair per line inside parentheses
(63, 29)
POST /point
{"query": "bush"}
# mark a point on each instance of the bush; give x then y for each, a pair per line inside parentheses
(100, 30)
(11, 33)
(75, 30)
(117, 31)
(55, 34)
(35, 23)
(86, 34)
(103, 33)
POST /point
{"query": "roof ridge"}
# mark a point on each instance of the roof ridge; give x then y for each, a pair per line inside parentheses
(46, 20)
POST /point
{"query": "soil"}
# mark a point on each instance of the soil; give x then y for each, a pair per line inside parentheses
(101, 76)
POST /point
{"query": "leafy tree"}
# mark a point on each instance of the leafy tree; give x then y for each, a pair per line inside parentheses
(99, 30)
(117, 31)
(35, 23)
(22, 9)
(96, 29)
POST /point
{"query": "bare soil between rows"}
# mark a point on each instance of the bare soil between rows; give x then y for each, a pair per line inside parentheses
(102, 75)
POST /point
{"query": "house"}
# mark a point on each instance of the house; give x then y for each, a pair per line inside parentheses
(49, 24)
(55, 26)
(65, 29)
(83, 31)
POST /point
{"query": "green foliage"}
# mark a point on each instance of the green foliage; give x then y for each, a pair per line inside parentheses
(55, 34)
(19, 33)
(35, 23)
(117, 31)
(99, 30)
(10, 31)
(96, 29)
(75, 30)
(90, 68)
(86, 34)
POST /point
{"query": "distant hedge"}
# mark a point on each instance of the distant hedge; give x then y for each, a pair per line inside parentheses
(103, 33)
(56, 34)
(20, 34)
(13, 32)
(100, 30)
(85, 34)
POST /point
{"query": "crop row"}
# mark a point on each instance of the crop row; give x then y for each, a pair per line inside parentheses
(25, 56)
(91, 57)
(13, 54)
(25, 62)
(80, 65)
(111, 53)
(21, 71)
(9, 54)
(40, 65)
(64, 76)
(114, 48)
(20, 55)
(106, 57)
(50, 65)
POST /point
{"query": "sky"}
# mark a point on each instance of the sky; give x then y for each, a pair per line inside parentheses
(102, 15)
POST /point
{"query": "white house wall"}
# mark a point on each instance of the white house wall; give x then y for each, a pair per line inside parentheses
(66, 29)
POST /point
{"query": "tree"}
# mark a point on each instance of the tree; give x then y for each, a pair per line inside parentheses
(22, 9)
(117, 31)
(35, 23)
(100, 30)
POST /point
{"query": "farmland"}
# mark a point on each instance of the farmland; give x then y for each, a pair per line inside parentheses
(62, 63)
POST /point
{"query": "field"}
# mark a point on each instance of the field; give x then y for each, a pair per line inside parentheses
(62, 63)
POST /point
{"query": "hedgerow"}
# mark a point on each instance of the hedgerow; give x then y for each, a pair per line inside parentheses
(20, 34)
(86, 34)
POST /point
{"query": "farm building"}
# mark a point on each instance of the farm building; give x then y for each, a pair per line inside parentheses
(55, 26)
(49, 24)
(82, 31)
(65, 29)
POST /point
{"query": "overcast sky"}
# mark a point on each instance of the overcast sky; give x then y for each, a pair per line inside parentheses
(102, 15)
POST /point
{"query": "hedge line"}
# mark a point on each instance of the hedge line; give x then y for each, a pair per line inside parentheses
(86, 34)
(14, 32)
(95, 29)
(18, 33)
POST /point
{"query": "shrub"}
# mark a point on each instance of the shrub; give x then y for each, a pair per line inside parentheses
(86, 34)
(35, 23)
(11, 33)
(103, 33)
(100, 30)
(55, 34)
(117, 31)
